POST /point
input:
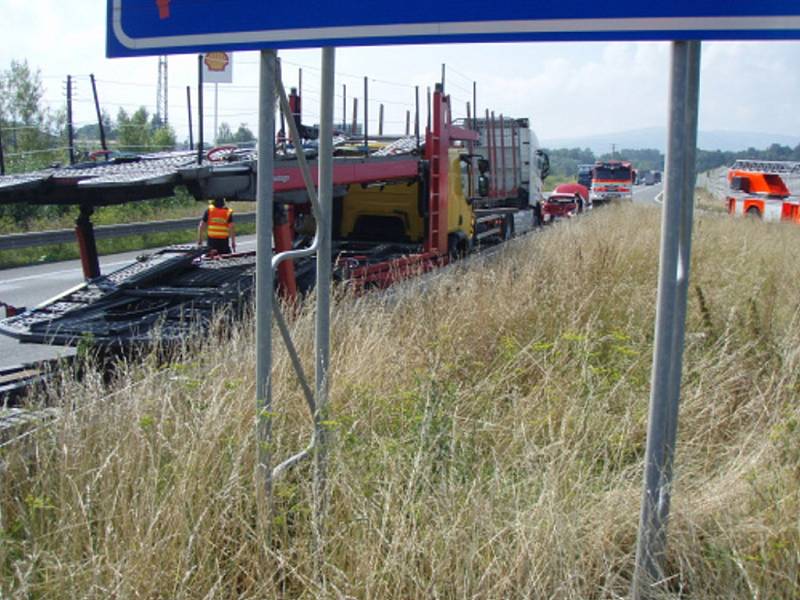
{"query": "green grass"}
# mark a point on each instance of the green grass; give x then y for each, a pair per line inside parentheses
(487, 440)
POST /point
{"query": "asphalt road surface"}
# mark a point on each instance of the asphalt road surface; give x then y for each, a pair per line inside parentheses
(30, 286)
(646, 194)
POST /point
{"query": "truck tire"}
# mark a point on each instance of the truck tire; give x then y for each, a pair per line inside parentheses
(508, 228)
(753, 212)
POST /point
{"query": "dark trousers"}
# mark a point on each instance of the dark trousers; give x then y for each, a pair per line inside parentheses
(220, 245)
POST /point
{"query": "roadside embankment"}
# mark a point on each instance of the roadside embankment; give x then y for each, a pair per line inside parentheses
(488, 439)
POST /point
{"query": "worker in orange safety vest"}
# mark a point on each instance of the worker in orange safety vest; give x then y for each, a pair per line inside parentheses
(218, 220)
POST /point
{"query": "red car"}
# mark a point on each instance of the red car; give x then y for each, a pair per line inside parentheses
(575, 188)
(559, 205)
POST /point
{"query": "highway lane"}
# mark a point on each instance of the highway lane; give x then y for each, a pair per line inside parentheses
(32, 285)
(646, 194)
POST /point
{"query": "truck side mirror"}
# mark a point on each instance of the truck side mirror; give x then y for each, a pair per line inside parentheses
(543, 160)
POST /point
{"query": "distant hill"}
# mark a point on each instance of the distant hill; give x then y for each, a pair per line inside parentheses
(656, 137)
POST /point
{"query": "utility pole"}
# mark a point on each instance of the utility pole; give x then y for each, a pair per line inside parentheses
(70, 132)
(161, 92)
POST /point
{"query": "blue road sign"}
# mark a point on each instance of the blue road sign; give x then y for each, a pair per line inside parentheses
(144, 27)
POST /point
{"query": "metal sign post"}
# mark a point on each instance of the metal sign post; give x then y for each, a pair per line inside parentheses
(264, 276)
(324, 268)
(676, 239)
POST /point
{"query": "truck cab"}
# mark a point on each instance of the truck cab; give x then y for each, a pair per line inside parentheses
(612, 180)
(397, 212)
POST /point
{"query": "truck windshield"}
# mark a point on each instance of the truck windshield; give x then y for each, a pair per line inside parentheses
(612, 174)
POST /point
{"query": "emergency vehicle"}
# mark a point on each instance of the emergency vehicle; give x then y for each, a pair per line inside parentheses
(758, 189)
(612, 180)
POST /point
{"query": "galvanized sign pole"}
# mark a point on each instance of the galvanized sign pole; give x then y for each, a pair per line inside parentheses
(676, 238)
(324, 268)
(264, 275)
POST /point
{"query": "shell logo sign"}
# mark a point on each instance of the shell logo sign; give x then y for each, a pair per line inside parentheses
(216, 61)
(218, 67)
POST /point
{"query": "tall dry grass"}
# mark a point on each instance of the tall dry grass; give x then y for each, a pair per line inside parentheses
(488, 440)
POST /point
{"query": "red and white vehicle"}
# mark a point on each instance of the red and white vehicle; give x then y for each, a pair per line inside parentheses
(612, 180)
(758, 190)
(559, 205)
(579, 190)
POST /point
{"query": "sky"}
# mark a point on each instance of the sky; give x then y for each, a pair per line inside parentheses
(566, 89)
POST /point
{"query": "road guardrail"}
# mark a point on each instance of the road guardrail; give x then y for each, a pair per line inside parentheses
(16, 241)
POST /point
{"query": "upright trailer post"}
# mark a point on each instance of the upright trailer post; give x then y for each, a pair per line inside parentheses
(676, 237)
(503, 190)
(416, 114)
(189, 110)
(87, 245)
(366, 116)
(429, 107)
(102, 129)
(475, 104)
(264, 280)
(344, 107)
(199, 109)
(2, 158)
(492, 151)
(514, 156)
(471, 146)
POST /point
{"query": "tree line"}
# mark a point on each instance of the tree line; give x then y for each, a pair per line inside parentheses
(34, 136)
(565, 161)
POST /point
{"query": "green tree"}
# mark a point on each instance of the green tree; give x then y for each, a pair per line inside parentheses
(243, 134)
(30, 138)
(643, 159)
(30, 135)
(140, 132)
(564, 161)
(163, 138)
(134, 130)
(91, 131)
(224, 134)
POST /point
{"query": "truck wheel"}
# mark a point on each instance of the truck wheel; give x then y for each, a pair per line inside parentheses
(753, 212)
(508, 228)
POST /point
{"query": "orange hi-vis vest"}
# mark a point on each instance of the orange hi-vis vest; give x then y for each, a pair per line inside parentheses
(218, 222)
